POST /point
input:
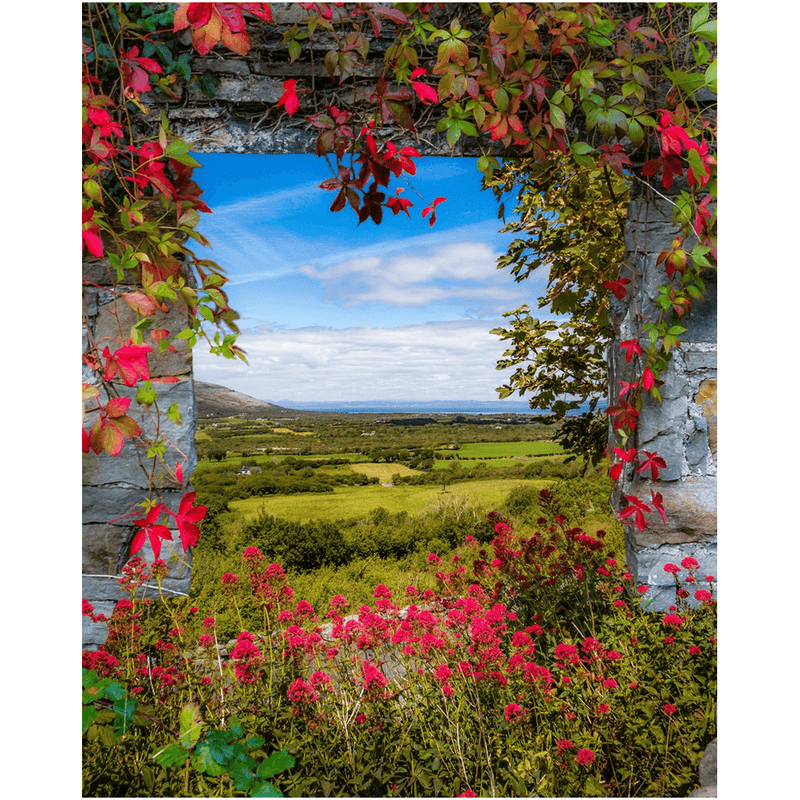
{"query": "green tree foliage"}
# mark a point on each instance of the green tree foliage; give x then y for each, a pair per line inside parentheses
(571, 220)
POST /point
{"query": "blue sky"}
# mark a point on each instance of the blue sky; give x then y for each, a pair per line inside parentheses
(333, 310)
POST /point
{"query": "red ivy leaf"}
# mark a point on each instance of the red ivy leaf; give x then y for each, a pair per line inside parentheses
(635, 509)
(431, 209)
(658, 504)
(631, 348)
(654, 463)
(289, 97)
(617, 287)
(186, 521)
(149, 528)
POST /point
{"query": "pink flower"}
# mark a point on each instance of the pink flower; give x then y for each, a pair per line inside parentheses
(443, 672)
(689, 563)
(320, 677)
(603, 709)
(703, 596)
(229, 579)
(673, 568)
(339, 602)
(694, 650)
(669, 709)
(585, 757)
(672, 621)
(568, 653)
(304, 610)
(382, 591)
(301, 692)
(515, 713)
(209, 622)
(433, 558)
(252, 554)
(564, 744)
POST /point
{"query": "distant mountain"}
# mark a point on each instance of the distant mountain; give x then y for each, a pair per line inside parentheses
(214, 400)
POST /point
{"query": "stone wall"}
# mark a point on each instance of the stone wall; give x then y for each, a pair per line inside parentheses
(242, 118)
(683, 428)
(114, 485)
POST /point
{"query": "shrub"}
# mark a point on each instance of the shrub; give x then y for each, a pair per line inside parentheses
(527, 668)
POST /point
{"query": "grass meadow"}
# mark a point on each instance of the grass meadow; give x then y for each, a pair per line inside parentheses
(356, 501)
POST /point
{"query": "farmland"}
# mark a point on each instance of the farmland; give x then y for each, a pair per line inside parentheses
(332, 496)
(359, 501)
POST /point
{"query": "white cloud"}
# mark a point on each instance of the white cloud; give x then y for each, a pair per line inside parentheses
(462, 271)
(430, 361)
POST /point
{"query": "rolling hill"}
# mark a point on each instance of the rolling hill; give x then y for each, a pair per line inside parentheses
(214, 400)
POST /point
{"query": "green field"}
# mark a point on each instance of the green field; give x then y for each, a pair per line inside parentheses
(357, 501)
(486, 450)
(268, 457)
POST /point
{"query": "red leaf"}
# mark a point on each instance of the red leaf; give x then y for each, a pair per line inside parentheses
(654, 463)
(289, 97)
(631, 348)
(432, 210)
(149, 528)
(198, 14)
(658, 504)
(636, 509)
(186, 521)
(117, 407)
(232, 16)
(648, 379)
(140, 302)
(617, 287)
(260, 10)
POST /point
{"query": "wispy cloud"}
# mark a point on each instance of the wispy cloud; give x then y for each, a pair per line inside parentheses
(461, 271)
(429, 361)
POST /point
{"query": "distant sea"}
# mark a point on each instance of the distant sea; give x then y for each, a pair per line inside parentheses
(416, 407)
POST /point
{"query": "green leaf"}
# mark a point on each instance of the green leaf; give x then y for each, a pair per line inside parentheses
(89, 714)
(174, 414)
(711, 76)
(173, 755)
(125, 708)
(191, 723)
(264, 789)
(635, 132)
(708, 31)
(557, 118)
(700, 17)
(277, 762)
(203, 760)
(146, 395)
(107, 736)
(242, 776)
(501, 100)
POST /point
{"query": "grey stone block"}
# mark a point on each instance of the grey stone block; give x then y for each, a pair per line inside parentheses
(690, 505)
(125, 468)
(704, 360)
